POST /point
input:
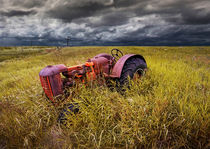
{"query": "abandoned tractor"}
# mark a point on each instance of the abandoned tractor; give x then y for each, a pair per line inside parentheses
(55, 79)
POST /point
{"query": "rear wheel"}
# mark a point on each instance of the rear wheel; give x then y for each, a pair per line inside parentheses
(133, 68)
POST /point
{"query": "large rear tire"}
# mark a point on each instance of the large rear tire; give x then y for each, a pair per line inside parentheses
(133, 68)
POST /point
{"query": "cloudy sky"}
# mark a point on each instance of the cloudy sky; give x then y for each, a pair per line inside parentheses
(105, 22)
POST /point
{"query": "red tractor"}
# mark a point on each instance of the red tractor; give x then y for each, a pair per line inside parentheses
(55, 79)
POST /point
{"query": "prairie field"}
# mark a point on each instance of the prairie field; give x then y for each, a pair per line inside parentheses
(167, 108)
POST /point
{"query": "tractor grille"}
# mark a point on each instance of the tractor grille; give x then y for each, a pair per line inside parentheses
(56, 85)
(45, 81)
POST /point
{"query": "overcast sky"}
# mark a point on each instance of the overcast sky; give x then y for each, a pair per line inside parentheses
(105, 22)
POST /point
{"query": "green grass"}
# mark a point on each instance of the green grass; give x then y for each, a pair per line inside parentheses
(167, 108)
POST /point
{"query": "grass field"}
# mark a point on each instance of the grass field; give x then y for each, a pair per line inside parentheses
(167, 108)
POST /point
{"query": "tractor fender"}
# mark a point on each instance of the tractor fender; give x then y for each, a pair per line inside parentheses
(116, 72)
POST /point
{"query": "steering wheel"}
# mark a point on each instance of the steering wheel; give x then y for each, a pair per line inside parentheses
(116, 53)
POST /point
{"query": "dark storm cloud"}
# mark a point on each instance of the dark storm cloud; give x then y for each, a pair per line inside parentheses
(13, 13)
(28, 3)
(114, 19)
(177, 12)
(110, 19)
(196, 16)
(89, 8)
(182, 35)
(68, 12)
(115, 13)
(106, 22)
(126, 3)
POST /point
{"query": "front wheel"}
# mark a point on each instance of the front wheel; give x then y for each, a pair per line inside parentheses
(134, 68)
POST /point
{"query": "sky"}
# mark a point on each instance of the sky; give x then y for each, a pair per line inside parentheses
(104, 22)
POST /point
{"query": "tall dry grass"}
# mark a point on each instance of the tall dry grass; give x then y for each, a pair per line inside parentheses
(167, 108)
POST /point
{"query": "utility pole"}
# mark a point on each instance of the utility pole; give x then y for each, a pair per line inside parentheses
(67, 41)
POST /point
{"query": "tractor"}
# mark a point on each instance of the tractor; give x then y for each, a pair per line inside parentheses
(115, 67)
(56, 79)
